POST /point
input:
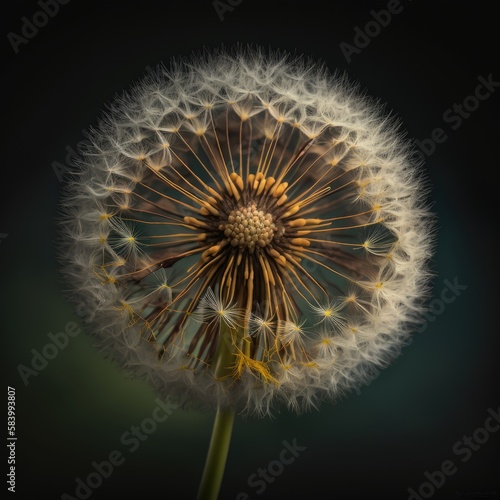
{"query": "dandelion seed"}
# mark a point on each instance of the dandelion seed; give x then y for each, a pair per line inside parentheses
(322, 344)
(291, 332)
(258, 325)
(124, 240)
(212, 310)
(263, 327)
(378, 242)
(330, 314)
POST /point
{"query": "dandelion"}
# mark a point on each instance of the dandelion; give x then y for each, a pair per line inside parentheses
(225, 211)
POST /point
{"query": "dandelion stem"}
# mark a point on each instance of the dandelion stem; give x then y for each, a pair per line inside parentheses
(224, 359)
(217, 455)
(223, 367)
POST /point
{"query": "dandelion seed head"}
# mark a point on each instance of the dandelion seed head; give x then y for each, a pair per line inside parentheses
(250, 207)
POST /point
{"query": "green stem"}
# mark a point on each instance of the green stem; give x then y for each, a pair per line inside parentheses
(217, 455)
(223, 366)
(224, 356)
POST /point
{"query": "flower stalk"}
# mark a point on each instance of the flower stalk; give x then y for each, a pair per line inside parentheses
(217, 455)
(221, 433)
(223, 367)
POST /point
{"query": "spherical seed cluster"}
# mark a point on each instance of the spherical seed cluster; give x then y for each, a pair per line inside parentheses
(248, 227)
(184, 284)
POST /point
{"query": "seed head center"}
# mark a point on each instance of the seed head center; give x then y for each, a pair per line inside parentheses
(248, 227)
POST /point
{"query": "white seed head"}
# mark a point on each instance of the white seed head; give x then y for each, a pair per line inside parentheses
(252, 204)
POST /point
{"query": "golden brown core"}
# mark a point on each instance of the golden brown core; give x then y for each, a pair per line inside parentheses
(249, 227)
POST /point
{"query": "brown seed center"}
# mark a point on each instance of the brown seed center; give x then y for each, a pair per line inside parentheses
(249, 227)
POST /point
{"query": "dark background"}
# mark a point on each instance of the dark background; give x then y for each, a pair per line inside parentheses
(375, 444)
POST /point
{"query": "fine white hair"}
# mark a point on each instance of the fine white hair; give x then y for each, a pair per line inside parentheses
(363, 321)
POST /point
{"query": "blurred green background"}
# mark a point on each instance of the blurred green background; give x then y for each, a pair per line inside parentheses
(374, 444)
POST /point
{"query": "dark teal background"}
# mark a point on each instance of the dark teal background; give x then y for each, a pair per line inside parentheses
(375, 444)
